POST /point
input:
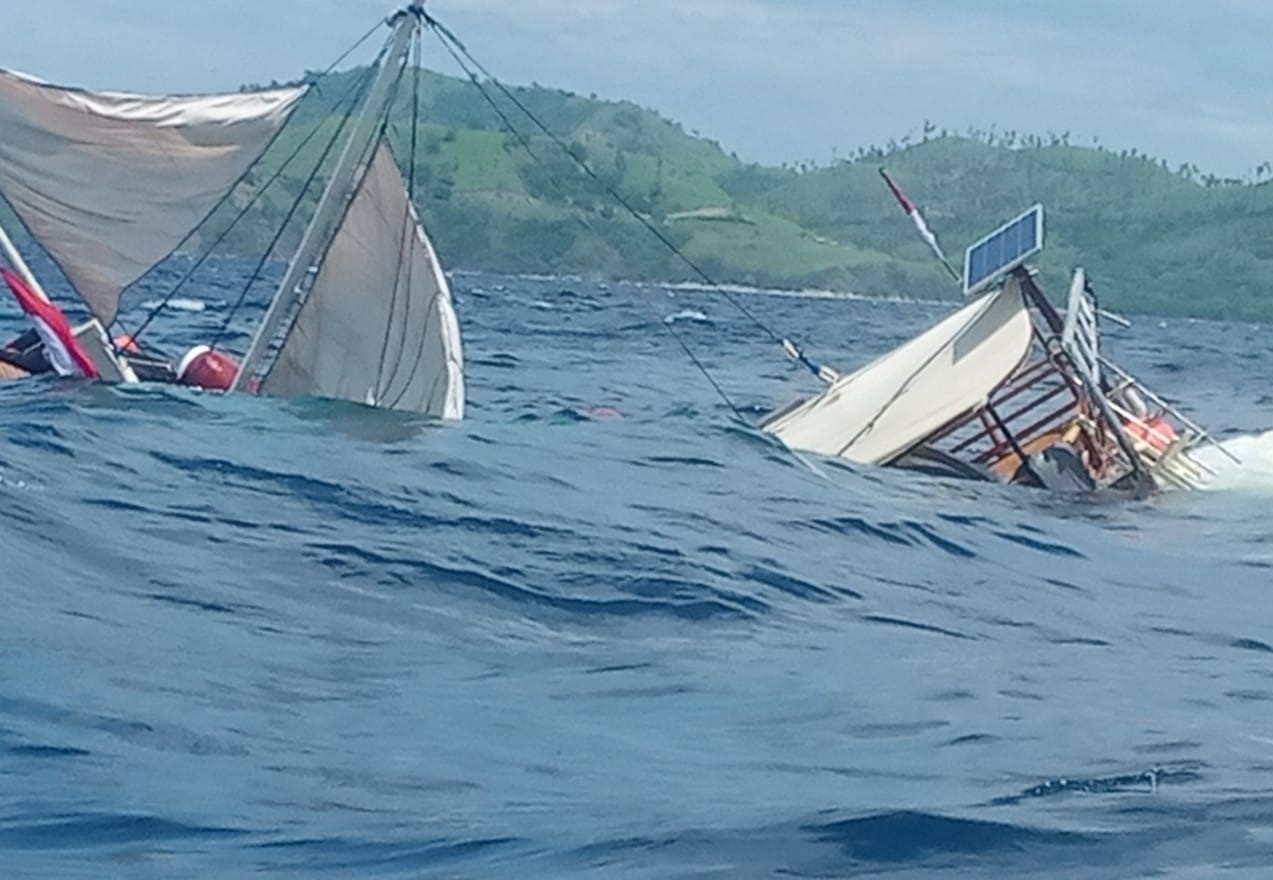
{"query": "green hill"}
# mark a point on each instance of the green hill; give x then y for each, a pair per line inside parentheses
(1153, 239)
(489, 205)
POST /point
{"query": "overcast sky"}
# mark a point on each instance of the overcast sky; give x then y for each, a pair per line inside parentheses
(773, 80)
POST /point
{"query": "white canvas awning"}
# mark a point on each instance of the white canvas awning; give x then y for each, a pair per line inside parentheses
(893, 403)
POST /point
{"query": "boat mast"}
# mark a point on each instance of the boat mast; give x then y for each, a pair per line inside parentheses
(340, 187)
(20, 265)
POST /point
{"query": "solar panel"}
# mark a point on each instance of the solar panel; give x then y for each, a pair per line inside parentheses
(1003, 250)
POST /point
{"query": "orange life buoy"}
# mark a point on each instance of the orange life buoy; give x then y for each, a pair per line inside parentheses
(1157, 432)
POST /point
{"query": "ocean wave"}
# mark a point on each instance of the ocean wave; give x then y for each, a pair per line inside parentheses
(602, 627)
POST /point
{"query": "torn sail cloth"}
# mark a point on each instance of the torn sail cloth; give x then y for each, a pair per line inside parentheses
(64, 353)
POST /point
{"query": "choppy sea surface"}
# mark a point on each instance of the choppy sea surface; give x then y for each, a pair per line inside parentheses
(600, 629)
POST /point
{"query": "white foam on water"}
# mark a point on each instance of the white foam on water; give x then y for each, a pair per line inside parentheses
(1252, 470)
(8, 481)
(686, 315)
(180, 304)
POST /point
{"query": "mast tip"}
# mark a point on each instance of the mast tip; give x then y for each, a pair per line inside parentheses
(415, 9)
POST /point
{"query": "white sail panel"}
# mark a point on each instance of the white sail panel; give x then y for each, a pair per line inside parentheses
(109, 183)
(377, 326)
(885, 408)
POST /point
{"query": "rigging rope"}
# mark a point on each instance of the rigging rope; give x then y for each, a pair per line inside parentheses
(578, 214)
(362, 162)
(915, 374)
(256, 197)
(181, 282)
(454, 45)
(404, 243)
(407, 238)
(363, 83)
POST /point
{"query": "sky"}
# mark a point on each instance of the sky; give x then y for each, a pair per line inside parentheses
(772, 80)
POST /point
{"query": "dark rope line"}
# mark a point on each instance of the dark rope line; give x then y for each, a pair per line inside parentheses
(419, 349)
(363, 166)
(415, 115)
(66, 276)
(433, 299)
(229, 192)
(447, 38)
(408, 234)
(702, 368)
(351, 50)
(256, 197)
(508, 123)
(445, 35)
(424, 332)
(906, 385)
(404, 245)
(524, 142)
(367, 77)
(189, 236)
(26, 229)
(429, 310)
(578, 214)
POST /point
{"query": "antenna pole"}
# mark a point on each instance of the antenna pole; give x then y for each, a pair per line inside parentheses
(918, 219)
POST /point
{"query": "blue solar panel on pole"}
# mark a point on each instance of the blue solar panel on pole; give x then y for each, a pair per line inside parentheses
(1003, 250)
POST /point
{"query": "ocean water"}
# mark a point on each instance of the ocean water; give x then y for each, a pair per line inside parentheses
(600, 629)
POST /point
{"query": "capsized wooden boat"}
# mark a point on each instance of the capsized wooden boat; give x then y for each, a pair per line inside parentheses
(111, 184)
(1007, 388)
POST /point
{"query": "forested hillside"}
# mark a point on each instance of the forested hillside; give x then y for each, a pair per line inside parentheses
(1154, 238)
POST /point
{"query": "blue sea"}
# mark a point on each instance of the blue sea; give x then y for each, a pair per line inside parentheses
(602, 629)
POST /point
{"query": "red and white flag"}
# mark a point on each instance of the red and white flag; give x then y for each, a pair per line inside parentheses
(65, 354)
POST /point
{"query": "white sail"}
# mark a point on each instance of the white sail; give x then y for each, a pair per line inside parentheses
(891, 404)
(109, 183)
(377, 325)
